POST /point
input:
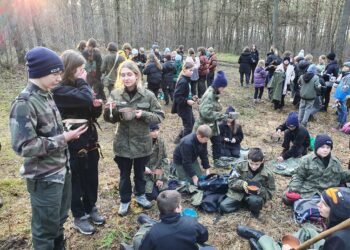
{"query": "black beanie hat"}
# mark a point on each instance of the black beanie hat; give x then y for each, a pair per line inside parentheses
(153, 126)
(331, 56)
(338, 200)
(220, 80)
(42, 61)
(286, 58)
(323, 139)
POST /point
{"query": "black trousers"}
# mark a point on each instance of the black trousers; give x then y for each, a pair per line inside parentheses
(279, 104)
(125, 166)
(210, 78)
(231, 152)
(84, 182)
(168, 91)
(253, 66)
(259, 90)
(216, 146)
(327, 97)
(288, 140)
(201, 86)
(187, 118)
(154, 89)
(194, 87)
(247, 77)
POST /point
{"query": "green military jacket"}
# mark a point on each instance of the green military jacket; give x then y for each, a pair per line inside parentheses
(37, 133)
(158, 160)
(242, 174)
(132, 138)
(276, 84)
(313, 178)
(108, 63)
(210, 111)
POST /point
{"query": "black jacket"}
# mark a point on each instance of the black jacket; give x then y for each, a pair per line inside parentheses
(332, 68)
(337, 240)
(187, 152)
(169, 71)
(181, 94)
(226, 132)
(245, 60)
(255, 57)
(175, 232)
(154, 75)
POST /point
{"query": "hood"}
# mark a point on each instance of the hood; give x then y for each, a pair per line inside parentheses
(308, 76)
(259, 69)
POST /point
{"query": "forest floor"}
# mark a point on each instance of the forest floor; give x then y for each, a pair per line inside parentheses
(258, 122)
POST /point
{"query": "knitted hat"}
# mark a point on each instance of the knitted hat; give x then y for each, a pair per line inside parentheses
(292, 119)
(323, 139)
(220, 80)
(312, 69)
(338, 200)
(331, 56)
(230, 109)
(301, 54)
(153, 126)
(42, 61)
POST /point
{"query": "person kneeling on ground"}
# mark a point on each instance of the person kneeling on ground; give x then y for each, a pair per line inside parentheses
(317, 172)
(231, 135)
(295, 134)
(186, 154)
(156, 169)
(252, 173)
(334, 207)
(173, 231)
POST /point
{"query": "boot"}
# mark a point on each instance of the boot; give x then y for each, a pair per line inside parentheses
(248, 233)
(143, 218)
(254, 245)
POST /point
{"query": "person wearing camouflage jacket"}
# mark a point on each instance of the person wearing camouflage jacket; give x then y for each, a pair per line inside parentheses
(210, 111)
(157, 169)
(318, 171)
(251, 172)
(37, 135)
(132, 144)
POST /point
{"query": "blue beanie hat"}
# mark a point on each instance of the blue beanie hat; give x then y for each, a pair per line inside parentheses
(292, 119)
(230, 109)
(42, 61)
(323, 139)
(312, 69)
(220, 80)
(153, 126)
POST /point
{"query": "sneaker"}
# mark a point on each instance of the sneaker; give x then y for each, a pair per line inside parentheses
(259, 100)
(96, 217)
(291, 99)
(143, 202)
(83, 225)
(123, 208)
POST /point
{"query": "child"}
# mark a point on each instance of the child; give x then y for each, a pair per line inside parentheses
(295, 134)
(187, 152)
(38, 136)
(316, 173)
(231, 135)
(153, 70)
(169, 71)
(173, 231)
(155, 172)
(252, 170)
(260, 75)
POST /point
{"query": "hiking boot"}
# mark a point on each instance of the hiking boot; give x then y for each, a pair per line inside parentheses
(124, 246)
(254, 245)
(59, 243)
(248, 233)
(96, 217)
(83, 225)
(220, 164)
(143, 219)
(123, 208)
(143, 202)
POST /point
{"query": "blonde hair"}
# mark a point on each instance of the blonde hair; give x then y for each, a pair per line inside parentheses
(261, 63)
(187, 65)
(309, 57)
(134, 68)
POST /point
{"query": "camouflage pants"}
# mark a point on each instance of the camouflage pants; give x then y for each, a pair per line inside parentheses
(182, 175)
(50, 205)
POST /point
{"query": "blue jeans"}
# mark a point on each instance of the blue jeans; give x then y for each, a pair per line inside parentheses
(342, 113)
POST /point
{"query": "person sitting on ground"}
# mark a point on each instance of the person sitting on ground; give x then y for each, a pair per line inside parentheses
(173, 231)
(188, 150)
(295, 134)
(247, 173)
(156, 168)
(334, 206)
(231, 135)
(317, 172)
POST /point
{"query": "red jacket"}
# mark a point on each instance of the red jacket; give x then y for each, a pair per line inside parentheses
(204, 66)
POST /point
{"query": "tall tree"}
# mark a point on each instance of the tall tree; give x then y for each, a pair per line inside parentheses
(342, 30)
(275, 16)
(35, 20)
(104, 21)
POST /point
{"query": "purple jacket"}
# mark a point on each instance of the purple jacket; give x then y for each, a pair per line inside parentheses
(259, 77)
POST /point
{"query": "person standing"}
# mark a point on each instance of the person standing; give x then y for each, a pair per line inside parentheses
(37, 134)
(255, 59)
(245, 61)
(203, 71)
(213, 62)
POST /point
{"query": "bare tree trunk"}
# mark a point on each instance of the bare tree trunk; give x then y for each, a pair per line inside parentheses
(16, 38)
(275, 23)
(118, 24)
(36, 26)
(314, 23)
(104, 21)
(341, 33)
(75, 20)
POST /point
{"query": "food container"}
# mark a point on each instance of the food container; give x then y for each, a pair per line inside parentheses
(71, 124)
(127, 113)
(253, 187)
(291, 240)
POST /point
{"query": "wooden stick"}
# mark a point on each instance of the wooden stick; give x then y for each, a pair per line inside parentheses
(324, 234)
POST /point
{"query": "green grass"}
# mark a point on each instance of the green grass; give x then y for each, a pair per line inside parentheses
(228, 57)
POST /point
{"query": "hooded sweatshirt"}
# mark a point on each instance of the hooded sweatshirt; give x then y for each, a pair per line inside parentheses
(309, 86)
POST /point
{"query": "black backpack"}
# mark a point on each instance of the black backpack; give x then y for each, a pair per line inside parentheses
(211, 201)
(214, 183)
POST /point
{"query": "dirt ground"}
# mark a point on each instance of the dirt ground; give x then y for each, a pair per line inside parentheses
(258, 122)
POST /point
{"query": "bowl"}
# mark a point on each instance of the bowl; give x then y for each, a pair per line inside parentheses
(71, 124)
(253, 187)
(127, 113)
(189, 212)
(290, 240)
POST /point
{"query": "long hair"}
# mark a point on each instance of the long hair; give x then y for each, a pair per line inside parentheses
(152, 58)
(131, 65)
(234, 127)
(81, 46)
(187, 65)
(71, 60)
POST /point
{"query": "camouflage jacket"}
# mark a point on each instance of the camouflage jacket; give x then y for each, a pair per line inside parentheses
(242, 174)
(209, 111)
(159, 161)
(37, 133)
(132, 138)
(312, 177)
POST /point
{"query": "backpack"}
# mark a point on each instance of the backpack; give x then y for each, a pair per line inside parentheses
(306, 209)
(211, 201)
(215, 183)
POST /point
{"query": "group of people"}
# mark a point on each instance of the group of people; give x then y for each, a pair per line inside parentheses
(61, 161)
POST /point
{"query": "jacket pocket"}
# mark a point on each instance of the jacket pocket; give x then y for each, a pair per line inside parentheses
(143, 106)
